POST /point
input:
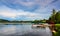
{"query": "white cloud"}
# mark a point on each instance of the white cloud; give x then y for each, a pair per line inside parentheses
(41, 13)
(29, 3)
(13, 14)
(42, 3)
(10, 13)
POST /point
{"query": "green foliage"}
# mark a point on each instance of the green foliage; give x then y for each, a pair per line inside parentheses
(36, 21)
(58, 30)
(55, 17)
(40, 21)
(3, 20)
(52, 18)
(43, 21)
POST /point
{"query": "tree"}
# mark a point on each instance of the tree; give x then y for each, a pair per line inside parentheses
(57, 17)
(3, 20)
(52, 17)
(43, 21)
(36, 21)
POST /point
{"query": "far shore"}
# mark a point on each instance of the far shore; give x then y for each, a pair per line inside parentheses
(12, 23)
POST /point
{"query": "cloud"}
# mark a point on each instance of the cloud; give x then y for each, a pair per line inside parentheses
(54, 1)
(20, 14)
(26, 9)
(15, 14)
(34, 2)
(27, 5)
(8, 14)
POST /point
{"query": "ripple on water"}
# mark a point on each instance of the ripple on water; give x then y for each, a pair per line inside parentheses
(23, 30)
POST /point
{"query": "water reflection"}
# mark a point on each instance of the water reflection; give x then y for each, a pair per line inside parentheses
(8, 29)
(23, 30)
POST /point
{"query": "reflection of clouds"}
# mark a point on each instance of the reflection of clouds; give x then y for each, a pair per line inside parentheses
(8, 30)
(49, 31)
(24, 30)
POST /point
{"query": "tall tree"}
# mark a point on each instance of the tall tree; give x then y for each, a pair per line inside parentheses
(57, 17)
(52, 17)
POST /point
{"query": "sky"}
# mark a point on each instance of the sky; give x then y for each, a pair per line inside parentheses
(27, 9)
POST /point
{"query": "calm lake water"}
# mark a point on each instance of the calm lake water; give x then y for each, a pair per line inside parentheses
(23, 30)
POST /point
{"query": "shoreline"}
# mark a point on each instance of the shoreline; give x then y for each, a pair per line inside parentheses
(13, 23)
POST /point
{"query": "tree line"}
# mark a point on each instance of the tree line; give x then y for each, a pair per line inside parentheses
(55, 17)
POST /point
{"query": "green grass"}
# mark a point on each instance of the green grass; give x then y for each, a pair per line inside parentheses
(57, 26)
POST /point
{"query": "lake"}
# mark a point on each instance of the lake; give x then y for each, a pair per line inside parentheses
(23, 30)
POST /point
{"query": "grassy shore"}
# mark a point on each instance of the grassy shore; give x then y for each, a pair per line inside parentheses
(57, 33)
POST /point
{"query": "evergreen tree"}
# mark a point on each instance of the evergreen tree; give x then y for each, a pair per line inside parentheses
(57, 17)
(52, 17)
